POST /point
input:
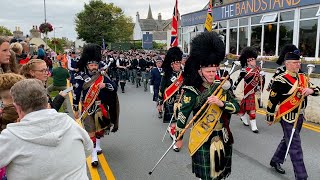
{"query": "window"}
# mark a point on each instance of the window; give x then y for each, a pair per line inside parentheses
(270, 34)
(287, 16)
(222, 24)
(243, 22)
(318, 13)
(243, 38)
(307, 40)
(256, 38)
(233, 40)
(268, 18)
(234, 23)
(308, 12)
(255, 19)
(286, 34)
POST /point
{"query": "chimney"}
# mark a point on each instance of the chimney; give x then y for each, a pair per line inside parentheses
(159, 17)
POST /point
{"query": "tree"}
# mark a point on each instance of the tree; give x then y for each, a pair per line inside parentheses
(59, 43)
(5, 31)
(101, 20)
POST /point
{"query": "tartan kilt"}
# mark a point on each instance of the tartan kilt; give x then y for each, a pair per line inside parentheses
(168, 111)
(201, 162)
(249, 103)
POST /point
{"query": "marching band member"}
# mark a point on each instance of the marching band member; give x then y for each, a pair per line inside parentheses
(169, 91)
(287, 91)
(100, 105)
(252, 76)
(211, 158)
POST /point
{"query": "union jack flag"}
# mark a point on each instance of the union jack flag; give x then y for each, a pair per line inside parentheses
(174, 29)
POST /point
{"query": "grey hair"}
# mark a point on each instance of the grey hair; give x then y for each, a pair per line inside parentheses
(30, 95)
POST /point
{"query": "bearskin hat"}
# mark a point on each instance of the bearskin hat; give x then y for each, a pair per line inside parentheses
(207, 50)
(174, 54)
(246, 53)
(286, 49)
(91, 54)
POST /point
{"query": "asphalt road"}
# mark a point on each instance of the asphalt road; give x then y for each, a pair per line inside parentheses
(136, 147)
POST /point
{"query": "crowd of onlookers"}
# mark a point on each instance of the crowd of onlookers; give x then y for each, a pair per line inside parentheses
(34, 136)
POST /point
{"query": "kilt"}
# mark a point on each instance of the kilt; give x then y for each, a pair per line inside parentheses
(295, 151)
(122, 75)
(95, 125)
(201, 161)
(248, 104)
(168, 111)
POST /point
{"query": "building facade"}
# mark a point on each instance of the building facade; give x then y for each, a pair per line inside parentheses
(266, 25)
(157, 27)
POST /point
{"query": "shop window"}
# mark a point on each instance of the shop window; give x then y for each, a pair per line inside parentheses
(256, 19)
(286, 34)
(243, 38)
(243, 22)
(287, 16)
(233, 41)
(308, 12)
(307, 40)
(256, 38)
(234, 23)
(268, 18)
(186, 42)
(270, 34)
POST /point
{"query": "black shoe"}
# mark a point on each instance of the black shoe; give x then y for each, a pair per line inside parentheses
(160, 115)
(122, 91)
(277, 167)
(94, 163)
(256, 131)
(99, 152)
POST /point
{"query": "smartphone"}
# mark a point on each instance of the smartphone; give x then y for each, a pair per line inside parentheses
(68, 89)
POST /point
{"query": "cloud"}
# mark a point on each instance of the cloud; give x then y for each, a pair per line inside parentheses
(61, 13)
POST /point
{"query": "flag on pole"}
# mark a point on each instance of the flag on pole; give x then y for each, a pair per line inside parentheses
(174, 29)
(209, 19)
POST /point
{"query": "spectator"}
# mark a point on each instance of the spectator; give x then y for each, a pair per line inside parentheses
(37, 68)
(41, 53)
(42, 139)
(60, 76)
(4, 55)
(17, 49)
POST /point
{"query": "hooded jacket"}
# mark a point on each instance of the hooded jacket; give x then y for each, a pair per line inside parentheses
(45, 144)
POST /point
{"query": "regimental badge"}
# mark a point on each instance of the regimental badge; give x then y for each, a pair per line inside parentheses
(273, 94)
(299, 95)
(173, 78)
(186, 99)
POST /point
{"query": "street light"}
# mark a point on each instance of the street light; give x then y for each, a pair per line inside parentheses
(54, 37)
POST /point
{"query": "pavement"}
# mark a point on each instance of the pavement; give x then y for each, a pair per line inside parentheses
(131, 153)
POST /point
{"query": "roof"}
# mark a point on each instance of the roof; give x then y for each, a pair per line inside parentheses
(153, 25)
(159, 35)
(38, 42)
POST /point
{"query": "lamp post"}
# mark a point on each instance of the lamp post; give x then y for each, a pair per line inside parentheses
(54, 37)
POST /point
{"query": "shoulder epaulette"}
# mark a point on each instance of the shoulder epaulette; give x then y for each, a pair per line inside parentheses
(191, 88)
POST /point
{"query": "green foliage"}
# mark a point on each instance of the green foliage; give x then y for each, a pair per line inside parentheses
(5, 31)
(101, 20)
(159, 45)
(57, 43)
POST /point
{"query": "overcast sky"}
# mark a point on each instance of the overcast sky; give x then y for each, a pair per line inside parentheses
(61, 13)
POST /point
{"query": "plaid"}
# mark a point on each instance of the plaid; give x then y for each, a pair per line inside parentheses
(295, 151)
(122, 75)
(248, 104)
(168, 111)
(201, 162)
